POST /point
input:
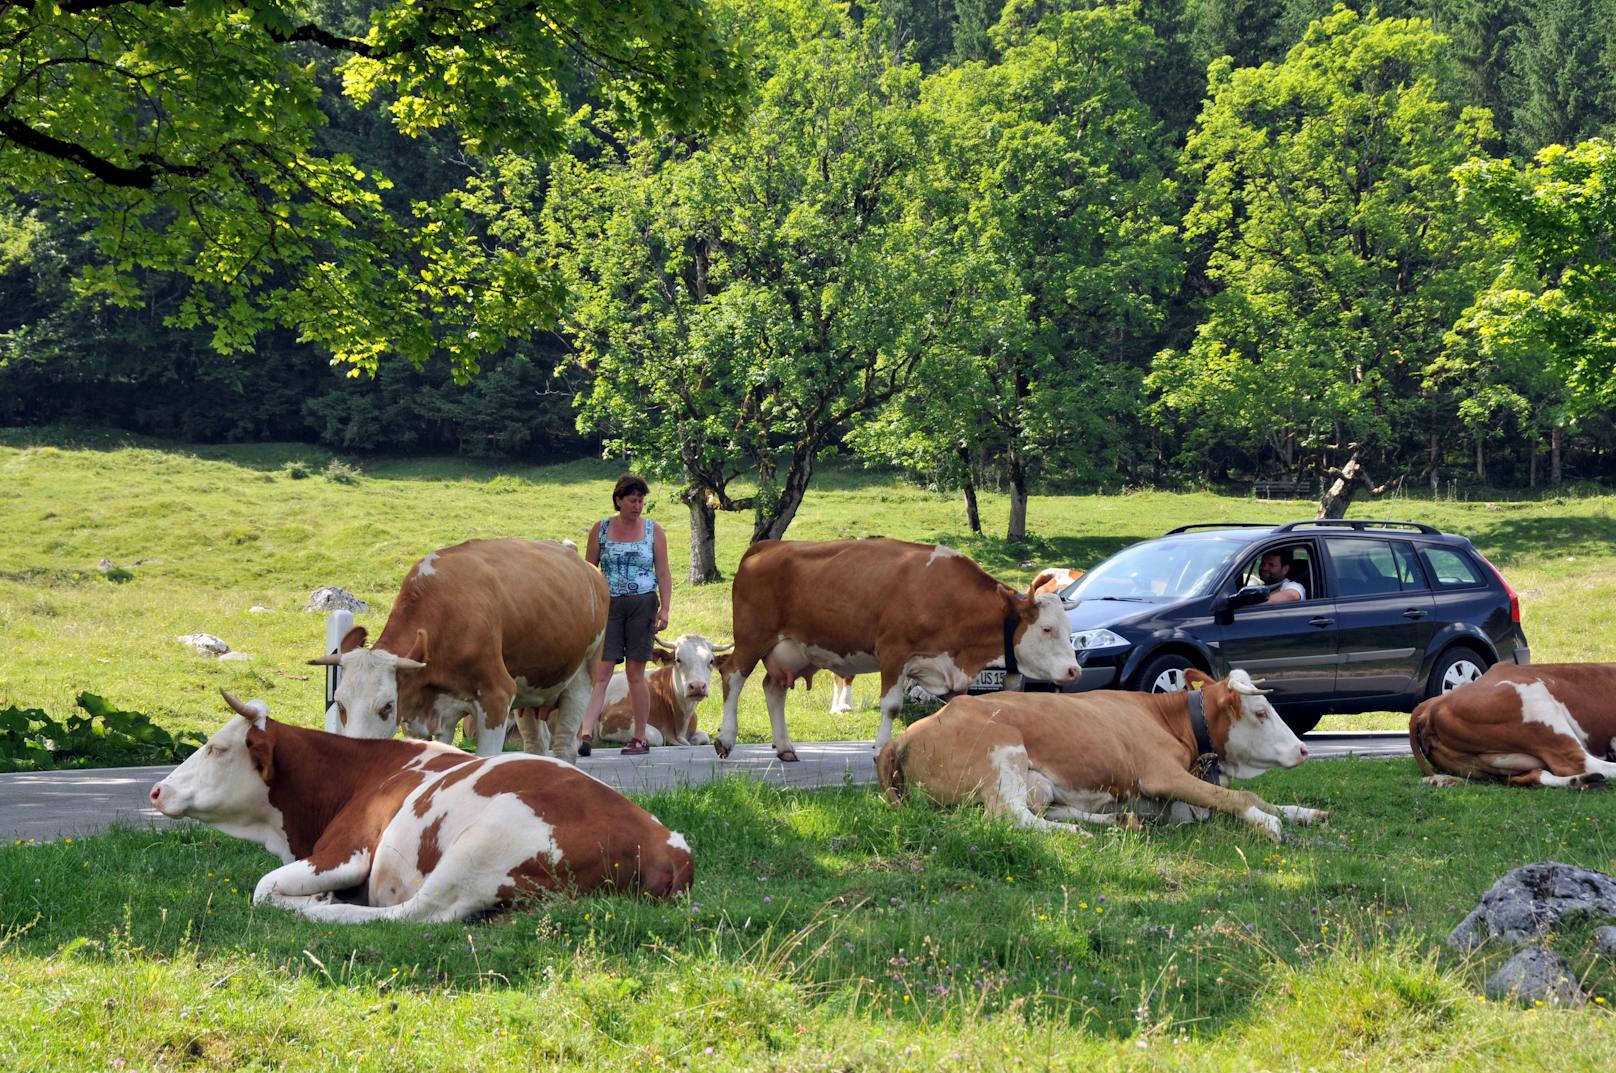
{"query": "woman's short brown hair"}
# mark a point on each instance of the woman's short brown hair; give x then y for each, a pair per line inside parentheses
(629, 484)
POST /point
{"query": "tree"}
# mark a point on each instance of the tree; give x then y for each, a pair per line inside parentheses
(1338, 246)
(187, 131)
(1551, 311)
(740, 302)
(1049, 208)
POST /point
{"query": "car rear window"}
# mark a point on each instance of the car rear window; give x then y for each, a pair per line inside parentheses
(1372, 567)
(1449, 568)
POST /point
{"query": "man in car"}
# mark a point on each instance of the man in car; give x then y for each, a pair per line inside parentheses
(1274, 569)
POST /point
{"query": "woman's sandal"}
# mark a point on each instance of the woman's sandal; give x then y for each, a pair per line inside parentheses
(586, 744)
(636, 747)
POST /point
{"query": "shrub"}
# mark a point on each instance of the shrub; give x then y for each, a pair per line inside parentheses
(339, 472)
(106, 736)
(298, 469)
(118, 574)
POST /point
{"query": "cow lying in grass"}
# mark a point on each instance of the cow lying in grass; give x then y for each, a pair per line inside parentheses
(1103, 757)
(419, 830)
(683, 681)
(1548, 724)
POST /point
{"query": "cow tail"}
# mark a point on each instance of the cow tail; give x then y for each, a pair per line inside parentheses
(889, 772)
(1419, 736)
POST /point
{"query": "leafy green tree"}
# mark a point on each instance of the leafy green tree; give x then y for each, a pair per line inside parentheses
(1050, 209)
(1337, 244)
(187, 132)
(740, 302)
(1554, 304)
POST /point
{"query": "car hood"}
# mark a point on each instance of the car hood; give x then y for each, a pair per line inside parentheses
(1094, 614)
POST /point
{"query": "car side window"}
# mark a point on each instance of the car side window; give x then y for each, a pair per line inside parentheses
(1365, 567)
(1409, 573)
(1448, 567)
(1300, 571)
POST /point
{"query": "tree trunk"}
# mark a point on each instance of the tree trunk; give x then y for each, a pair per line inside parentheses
(703, 530)
(1481, 464)
(1339, 495)
(1555, 471)
(1017, 529)
(1436, 465)
(1531, 463)
(973, 515)
(773, 525)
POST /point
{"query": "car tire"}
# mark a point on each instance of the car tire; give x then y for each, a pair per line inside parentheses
(1164, 674)
(1454, 668)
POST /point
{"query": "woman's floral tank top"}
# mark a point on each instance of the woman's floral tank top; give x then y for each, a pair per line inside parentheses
(629, 565)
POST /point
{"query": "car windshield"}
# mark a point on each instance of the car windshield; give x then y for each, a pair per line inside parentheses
(1159, 570)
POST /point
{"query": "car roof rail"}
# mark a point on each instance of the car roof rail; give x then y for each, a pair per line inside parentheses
(1219, 525)
(1359, 524)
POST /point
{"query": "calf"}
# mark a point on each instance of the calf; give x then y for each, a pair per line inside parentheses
(1097, 757)
(419, 830)
(683, 681)
(1548, 724)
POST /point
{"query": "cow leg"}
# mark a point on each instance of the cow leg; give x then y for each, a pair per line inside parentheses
(495, 704)
(774, 695)
(1016, 788)
(741, 665)
(569, 717)
(892, 679)
(841, 695)
(532, 724)
(1182, 786)
(1303, 816)
(291, 886)
(1067, 814)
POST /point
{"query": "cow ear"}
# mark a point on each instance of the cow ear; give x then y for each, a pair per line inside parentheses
(262, 752)
(1018, 603)
(661, 651)
(1197, 678)
(1047, 575)
(354, 638)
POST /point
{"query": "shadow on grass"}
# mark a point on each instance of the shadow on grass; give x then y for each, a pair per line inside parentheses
(1512, 540)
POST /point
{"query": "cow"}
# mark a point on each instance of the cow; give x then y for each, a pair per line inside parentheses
(419, 830)
(1546, 724)
(1053, 580)
(479, 628)
(681, 682)
(1107, 757)
(1050, 581)
(911, 611)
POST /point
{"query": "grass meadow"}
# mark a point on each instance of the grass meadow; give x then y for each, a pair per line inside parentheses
(826, 930)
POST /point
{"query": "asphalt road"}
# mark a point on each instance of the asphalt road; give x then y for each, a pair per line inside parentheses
(45, 806)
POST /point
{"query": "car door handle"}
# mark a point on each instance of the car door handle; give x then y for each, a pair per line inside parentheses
(1320, 621)
(1413, 613)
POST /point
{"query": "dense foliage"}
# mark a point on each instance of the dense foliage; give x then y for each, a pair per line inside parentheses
(1034, 244)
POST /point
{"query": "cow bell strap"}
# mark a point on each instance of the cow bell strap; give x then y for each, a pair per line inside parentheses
(1205, 767)
(1010, 645)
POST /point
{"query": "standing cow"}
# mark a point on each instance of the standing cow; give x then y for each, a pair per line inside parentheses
(1546, 724)
(911, 611)
(478, 629)
(426, 832)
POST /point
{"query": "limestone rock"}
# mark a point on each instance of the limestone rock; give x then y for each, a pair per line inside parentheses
(205, 643)
(1534, 900)
(1534, 975)
(330, 598)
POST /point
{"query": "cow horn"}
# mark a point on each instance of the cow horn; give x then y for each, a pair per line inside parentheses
(254, 711)
(354, 638)
(724, 650)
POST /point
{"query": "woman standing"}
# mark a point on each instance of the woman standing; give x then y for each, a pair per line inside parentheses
(632, 551)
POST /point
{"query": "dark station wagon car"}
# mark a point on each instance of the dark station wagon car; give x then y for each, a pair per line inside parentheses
(1392, 613)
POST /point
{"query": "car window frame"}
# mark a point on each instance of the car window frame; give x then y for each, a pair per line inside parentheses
(1421, 549)
(1358, 540)
(1247, 560)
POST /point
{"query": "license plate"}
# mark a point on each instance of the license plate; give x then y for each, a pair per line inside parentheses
(988, 680)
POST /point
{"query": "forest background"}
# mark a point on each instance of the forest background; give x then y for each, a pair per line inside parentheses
(1063, 247)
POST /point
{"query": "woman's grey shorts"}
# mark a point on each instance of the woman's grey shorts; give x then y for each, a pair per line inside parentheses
(630, 628)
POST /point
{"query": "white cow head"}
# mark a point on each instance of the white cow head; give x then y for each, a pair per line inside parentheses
(1043, 638)
(377, 687)
(226, 782)
(692, 658)
(1250, 736)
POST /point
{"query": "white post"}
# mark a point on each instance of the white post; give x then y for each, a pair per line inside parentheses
(337, 625)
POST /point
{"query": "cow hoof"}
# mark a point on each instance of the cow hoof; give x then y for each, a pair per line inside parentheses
(1443, 780)
(721, 749)
(788, 757)
(1591, 781)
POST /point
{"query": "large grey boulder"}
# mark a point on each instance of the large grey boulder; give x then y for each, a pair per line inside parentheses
(333, 599)
(1534, 900)
(1605, 941)
(1536, 975)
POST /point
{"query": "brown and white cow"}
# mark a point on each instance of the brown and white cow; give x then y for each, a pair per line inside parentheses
(425, 831)
(911, 611)
(1546, 724)
(683, 681)
(478, 629)
(1103, 757)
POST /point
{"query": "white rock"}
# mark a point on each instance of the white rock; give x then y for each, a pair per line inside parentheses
(234, 657)
(258, 609)
(205, 643)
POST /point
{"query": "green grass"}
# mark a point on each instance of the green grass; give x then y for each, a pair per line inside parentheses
(826, 930)
(210, 532)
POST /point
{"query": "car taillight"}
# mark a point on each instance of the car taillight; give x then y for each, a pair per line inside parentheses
(1514, 601)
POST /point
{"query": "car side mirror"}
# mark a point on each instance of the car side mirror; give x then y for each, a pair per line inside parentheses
(1246, 597)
